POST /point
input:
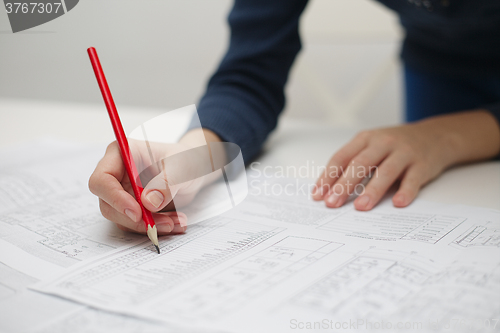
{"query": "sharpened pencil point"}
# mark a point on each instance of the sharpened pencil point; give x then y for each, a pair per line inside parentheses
(154, 237)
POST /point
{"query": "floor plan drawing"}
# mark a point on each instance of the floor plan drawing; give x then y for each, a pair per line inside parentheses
(480, 235)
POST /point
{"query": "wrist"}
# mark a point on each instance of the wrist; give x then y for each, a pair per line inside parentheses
(444, 145)
(464, 136)
(199, 137)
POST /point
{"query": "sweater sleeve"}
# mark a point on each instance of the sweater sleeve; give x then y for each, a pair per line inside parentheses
(494, 109)
(245, 96)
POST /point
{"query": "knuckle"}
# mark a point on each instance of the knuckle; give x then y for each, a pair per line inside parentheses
(360, 161)
(112, 146)
(421, 170)
(363, 135)
(387, 139)
(339, 158)
(93, 181)
(115, 203)
(105, 209)
(331, 172)
(169, 180)
(408, 150)
(388, 171)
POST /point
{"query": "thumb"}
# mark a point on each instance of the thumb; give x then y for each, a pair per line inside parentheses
(158, 194)
(184, 171)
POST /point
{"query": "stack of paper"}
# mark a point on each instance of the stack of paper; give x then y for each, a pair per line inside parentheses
(273, 264)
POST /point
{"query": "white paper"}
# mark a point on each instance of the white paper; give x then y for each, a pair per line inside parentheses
(48, 221)
(23, 310)
(47, 213)
(276, 263)
(279, 263)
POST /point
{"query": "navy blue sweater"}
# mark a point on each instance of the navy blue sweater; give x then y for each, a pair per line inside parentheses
(246, 94)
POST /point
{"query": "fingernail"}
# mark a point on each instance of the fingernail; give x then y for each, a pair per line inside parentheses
(131, 215)
(155, 198)
(363, 201)
(332, 199)
(164, 228)
(182, 221)
(400, 198)
(179, 219)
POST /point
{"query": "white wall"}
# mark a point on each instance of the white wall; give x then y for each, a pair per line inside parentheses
(348, 72)
(159, 53)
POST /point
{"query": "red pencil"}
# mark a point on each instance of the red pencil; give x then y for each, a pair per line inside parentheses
(124, 147)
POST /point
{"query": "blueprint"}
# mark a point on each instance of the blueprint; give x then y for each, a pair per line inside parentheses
(275, 263)
(47, 214)
(385, 266)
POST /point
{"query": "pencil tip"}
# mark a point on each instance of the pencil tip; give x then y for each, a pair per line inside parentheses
(152, 234)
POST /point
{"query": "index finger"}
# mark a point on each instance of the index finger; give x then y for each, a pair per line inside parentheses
(336, 165)
(106, 183)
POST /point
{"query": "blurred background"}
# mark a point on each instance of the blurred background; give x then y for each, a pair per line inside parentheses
(159, 54)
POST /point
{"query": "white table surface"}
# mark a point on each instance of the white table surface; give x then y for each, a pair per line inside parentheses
(295, 143)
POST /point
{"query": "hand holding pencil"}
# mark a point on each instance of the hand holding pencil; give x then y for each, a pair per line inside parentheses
(112, 184)
(125, 153)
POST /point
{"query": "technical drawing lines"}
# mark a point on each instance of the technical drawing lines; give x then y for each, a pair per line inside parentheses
(392, 226)
(480, 235)
(120, 276)
(371, 283)
(246, 280)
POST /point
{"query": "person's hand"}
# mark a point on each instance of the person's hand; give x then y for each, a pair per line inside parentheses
(111, 184)
(414, 154)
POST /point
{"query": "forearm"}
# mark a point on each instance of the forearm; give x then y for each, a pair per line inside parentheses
(466, 136)
(195, 137)
(199, 137)
(245, 96)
